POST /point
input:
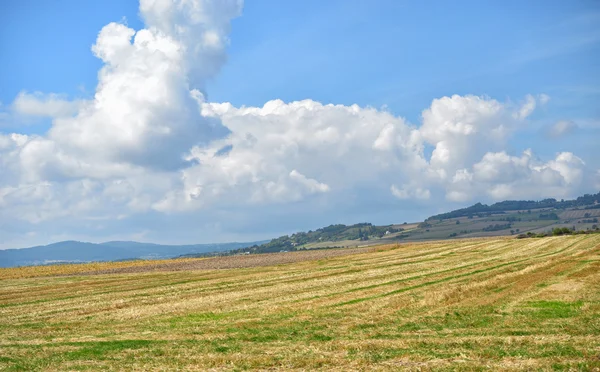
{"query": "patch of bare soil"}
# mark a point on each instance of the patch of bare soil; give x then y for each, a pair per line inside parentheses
(235, 262)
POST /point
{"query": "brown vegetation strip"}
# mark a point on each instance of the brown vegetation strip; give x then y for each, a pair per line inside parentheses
(236, 262)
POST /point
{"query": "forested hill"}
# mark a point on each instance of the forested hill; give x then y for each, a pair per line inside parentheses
(588, 201)
(332, 233)
(502, 218)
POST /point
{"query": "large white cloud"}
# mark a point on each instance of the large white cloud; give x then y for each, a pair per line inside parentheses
(286, 152)
(500, 176)
(281, 152)
(145, 109)
(134, 133)
(463, 128)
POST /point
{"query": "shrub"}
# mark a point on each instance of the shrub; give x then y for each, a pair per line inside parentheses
(561, 231)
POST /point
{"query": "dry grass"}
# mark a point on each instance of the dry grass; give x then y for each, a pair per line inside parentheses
(73, 269)
(497, 304)
(181, 264)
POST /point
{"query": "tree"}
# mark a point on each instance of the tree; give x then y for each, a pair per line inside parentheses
(561, 231)
(457, 222)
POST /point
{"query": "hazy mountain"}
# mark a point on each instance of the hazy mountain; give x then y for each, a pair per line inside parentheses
(73, 251)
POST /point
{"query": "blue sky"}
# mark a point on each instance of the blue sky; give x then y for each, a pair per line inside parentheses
(395, 53)
(394, 56)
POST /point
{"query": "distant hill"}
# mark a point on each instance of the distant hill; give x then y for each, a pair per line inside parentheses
(73, 251)
(591, 201)
(511, 217)
(334, 234)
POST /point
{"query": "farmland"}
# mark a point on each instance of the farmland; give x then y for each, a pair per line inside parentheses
(464, 304)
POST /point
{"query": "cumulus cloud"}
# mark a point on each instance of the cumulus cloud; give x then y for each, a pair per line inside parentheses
(463, 128)
(145, 110)
(144, 117)
(500, 176)
(561, 129)
(285, 151)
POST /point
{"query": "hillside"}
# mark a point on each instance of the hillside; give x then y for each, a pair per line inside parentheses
(588, 201)
(471, 304)
(73, 251)
(333, 234)
(500, 219)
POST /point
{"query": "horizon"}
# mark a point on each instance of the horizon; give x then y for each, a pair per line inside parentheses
(228, 121)
(100, 242)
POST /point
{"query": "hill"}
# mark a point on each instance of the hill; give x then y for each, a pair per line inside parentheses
(468, 304)
(73, 252)
(588, 201)
(323, 237)
(511, 217)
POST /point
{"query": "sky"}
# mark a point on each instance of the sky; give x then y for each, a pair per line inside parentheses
(196, 121)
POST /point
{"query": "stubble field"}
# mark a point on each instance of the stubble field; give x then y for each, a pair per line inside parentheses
(497, 304)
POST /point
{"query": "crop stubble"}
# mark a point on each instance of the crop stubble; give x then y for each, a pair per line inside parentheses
(470, 304)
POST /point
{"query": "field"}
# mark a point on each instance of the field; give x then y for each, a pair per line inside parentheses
(470, 304)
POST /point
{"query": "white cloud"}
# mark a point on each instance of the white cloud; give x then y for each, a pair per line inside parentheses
(463, 128)
(287, 152)
(406, 192)
(561, 129)
(274, 147)
(145, 113)
(527, 107)
(500, 176)
(144, 116)
(313, 186)
(201, 27)
(49, 105)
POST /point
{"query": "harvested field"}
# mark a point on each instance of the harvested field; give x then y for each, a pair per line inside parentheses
(575, 214)
(479, 304)
(234, 262)
(182, 264)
